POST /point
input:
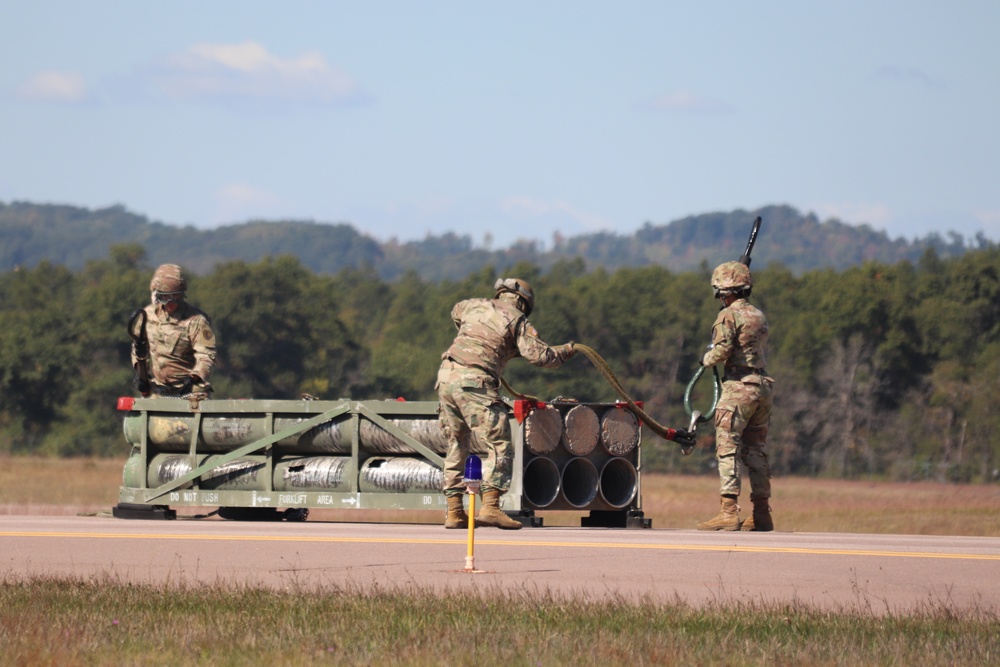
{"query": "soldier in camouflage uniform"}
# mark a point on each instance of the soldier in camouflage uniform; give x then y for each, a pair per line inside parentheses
(181, 342)
(491, 332)
(742, 416)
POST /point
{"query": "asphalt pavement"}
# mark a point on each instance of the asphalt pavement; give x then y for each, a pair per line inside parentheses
(845, 572)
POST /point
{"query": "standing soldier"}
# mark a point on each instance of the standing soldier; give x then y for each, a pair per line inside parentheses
(179, 338)
(490, 333)
(739, 338)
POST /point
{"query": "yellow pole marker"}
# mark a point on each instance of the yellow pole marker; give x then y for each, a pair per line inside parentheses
(470, 554)
(473, 480)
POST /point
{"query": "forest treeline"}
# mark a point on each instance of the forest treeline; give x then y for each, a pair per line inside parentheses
(70, 236)
(885, 371)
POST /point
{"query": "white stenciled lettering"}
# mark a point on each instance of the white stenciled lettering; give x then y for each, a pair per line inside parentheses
(291, 498)
(324, 500)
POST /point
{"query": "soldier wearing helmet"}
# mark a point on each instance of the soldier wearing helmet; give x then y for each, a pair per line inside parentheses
(180, 339)
(491, 332)
(743, 413)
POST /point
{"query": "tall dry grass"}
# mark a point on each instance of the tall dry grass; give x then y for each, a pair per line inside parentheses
(802, 504)
(105, 622)
(37, 485)
(32, 485)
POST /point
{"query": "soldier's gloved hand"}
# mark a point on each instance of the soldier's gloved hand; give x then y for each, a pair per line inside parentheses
(187, 385)
(142, 386)
(685, 439)
(568, 350)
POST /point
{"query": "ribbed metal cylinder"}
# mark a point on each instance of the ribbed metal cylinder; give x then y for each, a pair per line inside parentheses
(619, 482)
(399, 474)
(541, 482)
(162, 468)
(425, 431)
(219, 434)
(543, 428)
(619, 431)
(333, 437)
(244, 474)
(579, 482)
(581, 430)
(317, 473)
(313, 473)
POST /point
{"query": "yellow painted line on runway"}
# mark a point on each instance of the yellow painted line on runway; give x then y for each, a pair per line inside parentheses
(512, 543)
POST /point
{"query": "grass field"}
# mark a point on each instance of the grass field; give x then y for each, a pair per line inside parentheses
(31, 485)
(105, 621)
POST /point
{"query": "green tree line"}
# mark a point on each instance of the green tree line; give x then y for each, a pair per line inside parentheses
(884, 371)
(70, 236)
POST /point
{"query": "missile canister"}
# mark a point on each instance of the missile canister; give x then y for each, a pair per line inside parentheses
(171, 432)
(399, 474)
(619, 431)
(313, 473)
(581, 430)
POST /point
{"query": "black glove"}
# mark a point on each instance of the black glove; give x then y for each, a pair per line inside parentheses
(685, 440)
(141, 385)
(187, 384)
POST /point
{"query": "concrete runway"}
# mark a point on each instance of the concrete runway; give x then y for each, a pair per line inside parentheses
(843, 572)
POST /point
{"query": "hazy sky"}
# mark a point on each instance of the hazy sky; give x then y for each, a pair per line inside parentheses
(515, 119)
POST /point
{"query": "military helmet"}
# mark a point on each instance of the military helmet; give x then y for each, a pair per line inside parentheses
(519, 287)
(731, 277)
(168, 279)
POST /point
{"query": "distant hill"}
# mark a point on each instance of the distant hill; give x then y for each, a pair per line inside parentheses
(70, 236)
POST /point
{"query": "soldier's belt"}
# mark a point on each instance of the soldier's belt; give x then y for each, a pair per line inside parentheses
(459, 364)
(160, 390)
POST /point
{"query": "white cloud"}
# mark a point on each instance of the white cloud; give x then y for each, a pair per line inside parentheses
(987, 217)
(238, 202)
(990, 221)
(527, 206)
(685, 101)
(855, 213)
(248, 72)
(53, 86)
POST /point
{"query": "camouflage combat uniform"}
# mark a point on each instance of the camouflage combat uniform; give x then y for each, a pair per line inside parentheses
(742, 416)
(490, 333)
(180, 345)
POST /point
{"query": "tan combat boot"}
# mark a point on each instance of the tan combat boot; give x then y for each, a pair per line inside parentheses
(492, 515)
(456, 517)
(728, 517)
(760, 521)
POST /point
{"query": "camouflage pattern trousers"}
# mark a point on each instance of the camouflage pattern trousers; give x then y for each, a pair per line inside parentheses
(741, 421)
(470, 406)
